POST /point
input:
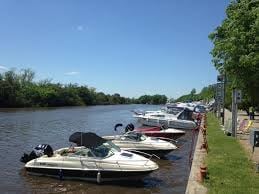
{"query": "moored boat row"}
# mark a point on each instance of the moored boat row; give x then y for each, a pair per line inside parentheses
(122, 156)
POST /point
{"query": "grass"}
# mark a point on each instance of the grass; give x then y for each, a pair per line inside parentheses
(229, 167)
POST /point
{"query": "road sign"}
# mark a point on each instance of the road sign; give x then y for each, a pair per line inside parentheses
(220, 93)
(220, 78)
(238, 96)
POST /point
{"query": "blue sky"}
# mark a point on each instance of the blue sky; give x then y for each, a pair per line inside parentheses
(131, 47)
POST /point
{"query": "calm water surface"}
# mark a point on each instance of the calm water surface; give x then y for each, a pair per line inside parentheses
(23, 129)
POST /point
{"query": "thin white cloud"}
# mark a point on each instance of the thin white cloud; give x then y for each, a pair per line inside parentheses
(80, 28)
(72, 73)
(3, 68)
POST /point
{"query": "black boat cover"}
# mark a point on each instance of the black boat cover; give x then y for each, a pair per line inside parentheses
(89, 140)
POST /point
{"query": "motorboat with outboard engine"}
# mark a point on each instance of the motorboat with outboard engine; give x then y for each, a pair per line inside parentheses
(139, 143)
(173, 117)
(94, 159)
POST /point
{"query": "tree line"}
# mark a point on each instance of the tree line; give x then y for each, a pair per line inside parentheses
(18, 89)
(206, 94)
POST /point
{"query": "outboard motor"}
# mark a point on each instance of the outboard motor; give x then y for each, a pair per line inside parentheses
(39, 150)
(164, 126)
(129, 127)
(117, 125)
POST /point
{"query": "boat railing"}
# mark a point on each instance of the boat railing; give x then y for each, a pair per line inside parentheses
(118, 162)
(169, 139)
(144, 153)
(97, 161)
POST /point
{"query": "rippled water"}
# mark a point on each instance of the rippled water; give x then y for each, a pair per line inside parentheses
(23, 129)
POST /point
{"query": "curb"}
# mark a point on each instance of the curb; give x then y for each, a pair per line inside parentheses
(194, 185)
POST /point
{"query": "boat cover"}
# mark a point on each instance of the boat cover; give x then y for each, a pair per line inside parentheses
(89, 140)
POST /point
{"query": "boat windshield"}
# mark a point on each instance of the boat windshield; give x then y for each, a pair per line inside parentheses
(112, 146)
(135, 136)
(83, 152)
(174, 110)
(200, 109)
(158, 115)
(186, 115)
(105, 150)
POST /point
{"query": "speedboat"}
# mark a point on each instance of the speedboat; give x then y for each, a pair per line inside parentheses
(139, 143)
(94, 159)
(169, 133)
(173, 117)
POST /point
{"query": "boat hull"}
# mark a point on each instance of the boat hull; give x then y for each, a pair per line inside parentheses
(179, 124)
(163, 135)
(88, 175)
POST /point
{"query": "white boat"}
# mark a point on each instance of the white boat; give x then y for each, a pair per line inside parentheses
(96, 159)
(172, 117)
(139, 143)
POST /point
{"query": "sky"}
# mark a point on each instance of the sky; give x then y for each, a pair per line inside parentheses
(130, 47)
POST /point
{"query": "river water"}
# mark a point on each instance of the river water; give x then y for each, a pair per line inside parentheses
(23, 129)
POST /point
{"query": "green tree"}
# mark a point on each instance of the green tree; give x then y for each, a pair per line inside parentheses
(86, 95)
(10, 87)
(145, 99)
(236, 47)
(206, 94)
(193, 92)
(155, 99)
(101, 98)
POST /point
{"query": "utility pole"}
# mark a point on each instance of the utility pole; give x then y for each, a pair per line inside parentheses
(224, 97)
(221, 82)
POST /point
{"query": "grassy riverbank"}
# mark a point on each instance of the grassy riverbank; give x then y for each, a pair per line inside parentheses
(229, 167)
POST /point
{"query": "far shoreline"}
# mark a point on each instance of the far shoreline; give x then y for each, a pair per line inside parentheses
(11, 109)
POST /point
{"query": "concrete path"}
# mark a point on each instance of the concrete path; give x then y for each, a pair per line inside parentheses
(245, 138)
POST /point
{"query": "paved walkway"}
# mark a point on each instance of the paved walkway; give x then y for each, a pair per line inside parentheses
(245, 138)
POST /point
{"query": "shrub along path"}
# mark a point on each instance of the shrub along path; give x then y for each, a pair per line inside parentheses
(229, 167)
